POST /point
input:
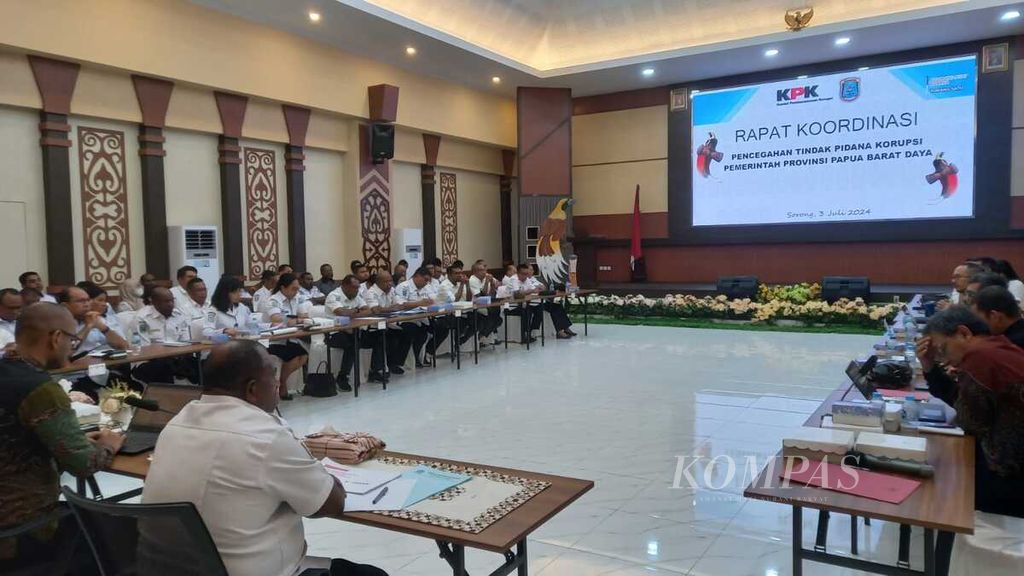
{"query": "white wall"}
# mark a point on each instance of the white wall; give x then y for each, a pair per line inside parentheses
(23, 236)
(478, 210)
(325, 210)
(406, 201)
(192, 181)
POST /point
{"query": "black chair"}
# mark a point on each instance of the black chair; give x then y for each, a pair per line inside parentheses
(151, 539)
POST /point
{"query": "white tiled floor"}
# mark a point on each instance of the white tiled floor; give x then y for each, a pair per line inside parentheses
(616, 407)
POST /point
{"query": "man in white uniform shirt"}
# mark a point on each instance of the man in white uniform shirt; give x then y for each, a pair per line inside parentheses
(253, 481)
(362, 273)
(455, 288)
(436, 268)
(180, 290)
(195, 306)
(346, 301)
(268, 281)
(308, 290)
(10, 309)
(414, 293)
(524, 284)
(35, 281)
(481, 283)
(380, 298)
(161, 322)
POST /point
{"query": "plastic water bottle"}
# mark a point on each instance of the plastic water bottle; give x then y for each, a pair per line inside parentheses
(911, 410)
(878, 400)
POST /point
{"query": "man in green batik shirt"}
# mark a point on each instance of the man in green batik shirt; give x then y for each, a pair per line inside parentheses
(40, 437)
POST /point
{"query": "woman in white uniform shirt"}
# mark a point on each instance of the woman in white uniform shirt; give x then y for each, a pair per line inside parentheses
(229, 315)
(284, 307)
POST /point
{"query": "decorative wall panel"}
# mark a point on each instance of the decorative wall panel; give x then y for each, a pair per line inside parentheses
(261, 205)
(374, 206)
(449, 219)
(104, 206)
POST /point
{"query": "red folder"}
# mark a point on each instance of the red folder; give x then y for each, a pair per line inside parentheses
(850, 480)
(919, 395)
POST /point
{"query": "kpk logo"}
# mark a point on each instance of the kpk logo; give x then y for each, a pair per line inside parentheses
(797, 95)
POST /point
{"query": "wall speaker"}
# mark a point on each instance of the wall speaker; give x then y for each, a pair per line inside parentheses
(835, 287)
(738, 286)
(382, 142)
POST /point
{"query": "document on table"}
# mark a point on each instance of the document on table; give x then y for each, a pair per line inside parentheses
(358, 480)
(430, 481)
(418, 310)
(398, 491)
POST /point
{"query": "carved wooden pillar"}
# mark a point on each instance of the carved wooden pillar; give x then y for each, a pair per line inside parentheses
(431, 146)
(232, 114)
(56, 82)
(508, 160)
(297, 121)
(154, 95)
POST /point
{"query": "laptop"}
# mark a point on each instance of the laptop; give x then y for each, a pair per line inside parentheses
(146, 425)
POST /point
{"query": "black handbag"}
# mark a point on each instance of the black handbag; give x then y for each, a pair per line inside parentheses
(320, 384)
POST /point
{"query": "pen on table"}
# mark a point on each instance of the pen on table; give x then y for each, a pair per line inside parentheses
(381, 495)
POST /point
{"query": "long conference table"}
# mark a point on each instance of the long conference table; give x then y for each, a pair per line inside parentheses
(942, 505)
(356, 326)
(506, 536)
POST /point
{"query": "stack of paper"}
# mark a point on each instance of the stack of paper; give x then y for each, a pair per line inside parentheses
(370, 490)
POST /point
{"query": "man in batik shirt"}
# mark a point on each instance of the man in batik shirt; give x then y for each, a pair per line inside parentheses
(40, 438)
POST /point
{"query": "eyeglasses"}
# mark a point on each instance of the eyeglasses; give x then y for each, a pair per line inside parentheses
(73, 339)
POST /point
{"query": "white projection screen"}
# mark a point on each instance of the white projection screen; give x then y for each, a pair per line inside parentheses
(887, 143)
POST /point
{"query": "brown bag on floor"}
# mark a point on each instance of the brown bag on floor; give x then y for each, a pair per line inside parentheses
(344, 448)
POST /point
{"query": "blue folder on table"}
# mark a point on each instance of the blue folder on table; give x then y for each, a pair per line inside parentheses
(431, 481)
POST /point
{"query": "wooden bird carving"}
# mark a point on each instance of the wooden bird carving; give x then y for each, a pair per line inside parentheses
(550, 261)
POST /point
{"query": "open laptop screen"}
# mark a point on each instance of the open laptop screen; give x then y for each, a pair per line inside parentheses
(170, 397)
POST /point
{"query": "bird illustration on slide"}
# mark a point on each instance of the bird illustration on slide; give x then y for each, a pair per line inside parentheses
(550, 260)
(945, 173)
(707, 152)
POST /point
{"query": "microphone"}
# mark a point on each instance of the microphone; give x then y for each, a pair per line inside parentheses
(873, 463)
(147, 405)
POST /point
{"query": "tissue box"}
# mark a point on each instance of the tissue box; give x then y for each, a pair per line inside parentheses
(893, 447)
(857, 414)
(342, 320)
(818, 443)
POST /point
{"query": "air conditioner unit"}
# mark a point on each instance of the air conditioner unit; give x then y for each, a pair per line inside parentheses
(196, 246)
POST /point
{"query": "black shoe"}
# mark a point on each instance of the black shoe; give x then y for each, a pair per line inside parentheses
(396, 370)
(419, 363)
(531, 340)
(344, 386)
(377, 377)
(287, 397)
(570, 332)
(563, 335)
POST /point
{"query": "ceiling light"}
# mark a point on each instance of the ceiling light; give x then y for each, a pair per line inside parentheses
(801, 77)
(842, 41)
(1010, 15)
(771, 52)
(863, 68)
(496, 79)
(410, 50)
(647, 72)
(314, 16)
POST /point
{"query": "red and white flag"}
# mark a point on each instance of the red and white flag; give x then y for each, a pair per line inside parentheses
(635, 250)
